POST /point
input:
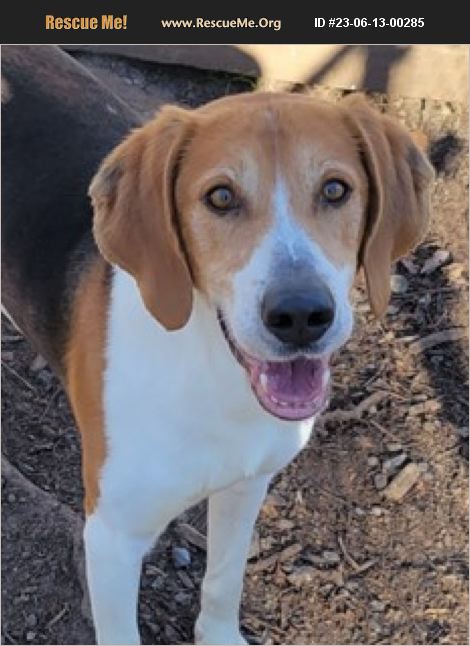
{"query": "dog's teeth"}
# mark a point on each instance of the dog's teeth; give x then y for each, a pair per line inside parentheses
(281, 403)
(263, 379)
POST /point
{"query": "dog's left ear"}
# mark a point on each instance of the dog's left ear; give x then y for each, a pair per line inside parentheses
(136, 223)
(398, 211)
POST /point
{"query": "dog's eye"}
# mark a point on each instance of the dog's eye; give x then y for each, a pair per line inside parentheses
(334, 191)
(221, 199)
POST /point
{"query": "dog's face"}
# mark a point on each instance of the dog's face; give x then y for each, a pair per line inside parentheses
(271, 201)
(267, 204)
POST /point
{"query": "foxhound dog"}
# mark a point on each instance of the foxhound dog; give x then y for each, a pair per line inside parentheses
(193, 331)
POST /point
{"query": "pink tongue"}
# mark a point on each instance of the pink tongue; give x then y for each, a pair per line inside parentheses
(299, 380)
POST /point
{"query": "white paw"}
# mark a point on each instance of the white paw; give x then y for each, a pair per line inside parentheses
(215, 632)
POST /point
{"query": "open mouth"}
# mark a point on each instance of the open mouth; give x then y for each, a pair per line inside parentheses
(294, 390)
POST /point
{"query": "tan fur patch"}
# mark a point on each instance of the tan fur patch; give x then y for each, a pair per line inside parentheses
(217, 245)
(85, 365)
(132, 196)
(400, 178)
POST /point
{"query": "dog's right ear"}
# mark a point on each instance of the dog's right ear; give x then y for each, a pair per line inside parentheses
(135, 221)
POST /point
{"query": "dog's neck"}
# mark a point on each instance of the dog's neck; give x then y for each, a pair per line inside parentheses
(200, 345)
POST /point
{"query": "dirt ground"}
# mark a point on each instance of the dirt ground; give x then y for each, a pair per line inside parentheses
(334, 559)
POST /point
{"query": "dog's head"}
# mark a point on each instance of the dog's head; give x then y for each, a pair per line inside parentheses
(267, 204)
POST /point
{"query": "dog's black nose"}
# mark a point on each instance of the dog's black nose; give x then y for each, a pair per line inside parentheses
(298, 317)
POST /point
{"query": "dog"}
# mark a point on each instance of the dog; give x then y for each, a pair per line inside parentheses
(192, 308)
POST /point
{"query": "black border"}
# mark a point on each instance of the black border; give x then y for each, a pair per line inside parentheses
(24, 22)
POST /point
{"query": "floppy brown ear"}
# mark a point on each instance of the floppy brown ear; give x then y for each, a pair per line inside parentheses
(135, 222)
(400, 178)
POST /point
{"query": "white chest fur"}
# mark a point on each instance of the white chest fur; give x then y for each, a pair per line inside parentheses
(180, 419)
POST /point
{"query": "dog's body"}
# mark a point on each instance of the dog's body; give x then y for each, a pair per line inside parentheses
(190, 373)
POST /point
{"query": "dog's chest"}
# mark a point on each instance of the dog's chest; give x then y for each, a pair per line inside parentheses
(180, 419)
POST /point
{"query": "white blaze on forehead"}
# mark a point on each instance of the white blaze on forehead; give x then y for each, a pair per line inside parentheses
(286, 230)
(294, 244)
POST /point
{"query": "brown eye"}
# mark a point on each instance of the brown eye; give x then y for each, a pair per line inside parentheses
(334, 191)
(221, 199)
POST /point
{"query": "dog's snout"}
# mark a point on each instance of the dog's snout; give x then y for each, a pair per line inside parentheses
(298, 317)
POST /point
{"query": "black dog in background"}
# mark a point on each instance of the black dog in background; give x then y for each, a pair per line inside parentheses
(58, 122)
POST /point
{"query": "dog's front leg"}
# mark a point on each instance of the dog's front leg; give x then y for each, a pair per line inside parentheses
(113, 563)
(232, 514)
